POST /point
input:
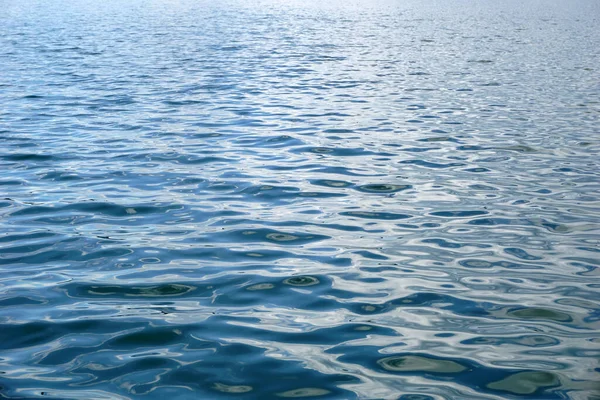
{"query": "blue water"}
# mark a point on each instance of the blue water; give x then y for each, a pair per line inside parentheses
(282, 198)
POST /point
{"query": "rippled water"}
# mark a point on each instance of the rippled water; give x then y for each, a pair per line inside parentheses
(265, 199)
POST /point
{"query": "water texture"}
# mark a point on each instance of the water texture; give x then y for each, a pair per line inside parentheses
(309, 199)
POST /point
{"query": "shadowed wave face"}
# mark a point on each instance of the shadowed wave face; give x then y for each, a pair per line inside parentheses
(299, 199)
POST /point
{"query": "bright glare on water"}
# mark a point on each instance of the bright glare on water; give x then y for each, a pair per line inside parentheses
(256, 199)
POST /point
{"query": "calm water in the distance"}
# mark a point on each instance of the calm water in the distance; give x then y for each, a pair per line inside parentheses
(263, 199)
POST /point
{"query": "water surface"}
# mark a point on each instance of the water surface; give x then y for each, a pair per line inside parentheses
(308, 199)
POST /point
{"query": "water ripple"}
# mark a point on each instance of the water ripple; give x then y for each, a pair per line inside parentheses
(299, 200)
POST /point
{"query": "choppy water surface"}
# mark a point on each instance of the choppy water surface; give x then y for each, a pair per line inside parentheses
(265, 199)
